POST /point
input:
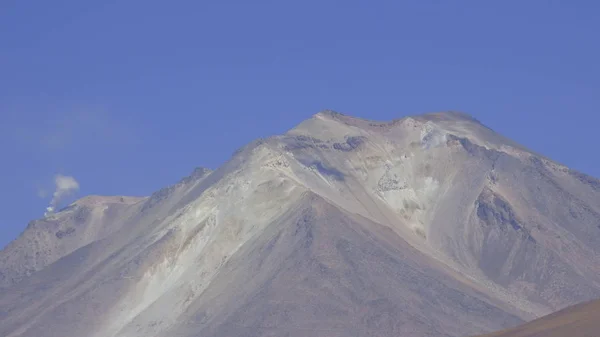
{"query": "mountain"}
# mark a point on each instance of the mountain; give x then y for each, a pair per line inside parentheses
(582, 320)
(46, 240)
(432, 225)
(87, 220)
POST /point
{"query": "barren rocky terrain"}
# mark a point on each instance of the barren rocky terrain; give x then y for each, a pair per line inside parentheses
(431, 225)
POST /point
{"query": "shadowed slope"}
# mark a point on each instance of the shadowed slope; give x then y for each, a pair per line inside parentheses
(582, 320)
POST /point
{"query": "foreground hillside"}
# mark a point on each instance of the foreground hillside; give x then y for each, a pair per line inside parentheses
(431, 225)
(581, 320)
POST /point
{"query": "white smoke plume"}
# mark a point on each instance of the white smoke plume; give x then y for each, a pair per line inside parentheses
(65, 186)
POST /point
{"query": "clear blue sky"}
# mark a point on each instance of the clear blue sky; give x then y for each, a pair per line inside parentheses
(129, 96)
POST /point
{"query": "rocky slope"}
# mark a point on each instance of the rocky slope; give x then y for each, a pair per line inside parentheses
(46, 240)
(431, 225)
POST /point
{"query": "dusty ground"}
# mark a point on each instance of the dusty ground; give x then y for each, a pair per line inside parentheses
(581, 320)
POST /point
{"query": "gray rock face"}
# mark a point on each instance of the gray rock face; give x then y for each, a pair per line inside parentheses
(431, 225)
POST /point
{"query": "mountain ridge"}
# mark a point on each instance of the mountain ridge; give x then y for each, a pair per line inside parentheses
(461, 209)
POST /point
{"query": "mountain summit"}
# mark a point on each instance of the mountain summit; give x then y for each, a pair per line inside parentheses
(431, 225)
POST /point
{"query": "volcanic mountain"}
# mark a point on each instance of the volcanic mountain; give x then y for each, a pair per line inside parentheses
(432, 225)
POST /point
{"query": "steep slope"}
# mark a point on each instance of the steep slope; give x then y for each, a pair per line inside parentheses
(427, 225)
(514, 222)
(320, 271)
(582, 320)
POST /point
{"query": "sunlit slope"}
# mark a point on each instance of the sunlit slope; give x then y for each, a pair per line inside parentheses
(431, 225)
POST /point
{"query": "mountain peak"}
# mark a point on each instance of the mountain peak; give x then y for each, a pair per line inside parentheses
(328, 113)
(430, 224)
(449, 114)
(329, 125)
(448, 118)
